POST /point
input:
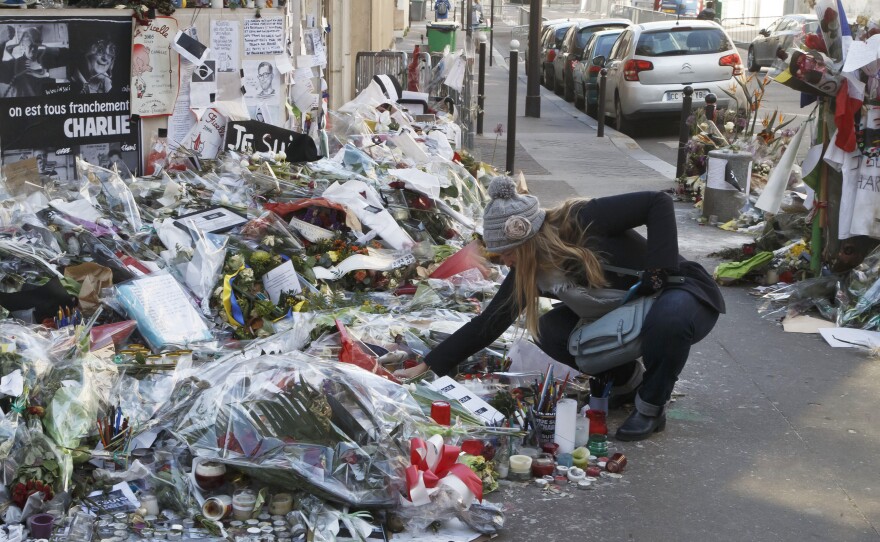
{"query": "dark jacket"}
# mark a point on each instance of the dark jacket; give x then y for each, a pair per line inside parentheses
(707, 14)
(610, 223)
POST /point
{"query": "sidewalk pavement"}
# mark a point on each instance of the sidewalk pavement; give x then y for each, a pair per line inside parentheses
(771, 436)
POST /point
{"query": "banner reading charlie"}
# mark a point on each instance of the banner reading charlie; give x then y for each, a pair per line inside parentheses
(64, 91)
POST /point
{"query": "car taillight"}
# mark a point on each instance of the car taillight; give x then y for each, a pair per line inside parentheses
(595, 69)
(632, 68)
(551, 55)
(732, 61)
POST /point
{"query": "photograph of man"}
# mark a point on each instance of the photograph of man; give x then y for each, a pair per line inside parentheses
(27, 66)
(95, 73)
(265, 72)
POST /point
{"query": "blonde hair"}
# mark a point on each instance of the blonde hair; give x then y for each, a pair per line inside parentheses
(560, 245)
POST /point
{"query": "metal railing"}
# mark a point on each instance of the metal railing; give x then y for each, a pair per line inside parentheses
(742, 30)
(639, 15)
(370, 63)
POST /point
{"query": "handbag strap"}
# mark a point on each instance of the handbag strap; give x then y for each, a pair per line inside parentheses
(675, 279)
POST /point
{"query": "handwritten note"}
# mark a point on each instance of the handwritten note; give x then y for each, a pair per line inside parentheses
(225, 37)
(264, 36)
(182, 119)
(281, 279)
(163, 312)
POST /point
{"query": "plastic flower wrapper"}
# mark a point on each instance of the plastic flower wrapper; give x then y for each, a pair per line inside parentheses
(38, 464)
(324, 521)
(298, 422)
(800, 298)
(105, 190)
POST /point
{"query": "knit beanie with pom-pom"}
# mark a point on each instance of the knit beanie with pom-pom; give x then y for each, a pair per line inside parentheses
(510, 219)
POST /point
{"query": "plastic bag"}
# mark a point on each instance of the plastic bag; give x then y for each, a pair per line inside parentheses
(295, 421)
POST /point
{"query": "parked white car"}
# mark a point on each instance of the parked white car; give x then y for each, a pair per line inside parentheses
(651, 64)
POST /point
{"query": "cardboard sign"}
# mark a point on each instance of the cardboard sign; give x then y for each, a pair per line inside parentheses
(255, 136)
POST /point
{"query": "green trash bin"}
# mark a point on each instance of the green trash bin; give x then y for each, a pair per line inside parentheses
(440, 35)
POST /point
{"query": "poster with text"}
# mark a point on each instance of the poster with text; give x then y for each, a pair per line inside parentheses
(225, 37)
(64, 88)
(154, 68)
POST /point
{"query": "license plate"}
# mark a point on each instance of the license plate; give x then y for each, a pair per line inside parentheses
(676, 96)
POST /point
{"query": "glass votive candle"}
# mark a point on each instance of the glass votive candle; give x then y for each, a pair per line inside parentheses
(281, 504)
(243, 502)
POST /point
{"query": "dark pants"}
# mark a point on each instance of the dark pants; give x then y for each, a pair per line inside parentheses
(676, 321)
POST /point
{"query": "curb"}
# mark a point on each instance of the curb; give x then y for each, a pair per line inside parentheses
(621, 141)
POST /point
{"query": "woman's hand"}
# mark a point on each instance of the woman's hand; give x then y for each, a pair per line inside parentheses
(412, 372)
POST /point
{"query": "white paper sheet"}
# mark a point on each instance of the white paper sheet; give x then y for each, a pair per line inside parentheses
(225, 37)
(282, 62)
(366, 204)
(450, 388)
(410, 148)
(862, 53)
(281, 279)
(182, 120)
(314, 46)
(715, 174)
(80, 209)
(416, 179)
(264, 36)
(12, 384)
(845, 337)
(377, 260)
(203, 85)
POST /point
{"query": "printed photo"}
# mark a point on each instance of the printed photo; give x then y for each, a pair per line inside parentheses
(34, 59)
(262, 80)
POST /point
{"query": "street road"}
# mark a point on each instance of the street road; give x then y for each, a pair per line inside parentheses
(659, 137)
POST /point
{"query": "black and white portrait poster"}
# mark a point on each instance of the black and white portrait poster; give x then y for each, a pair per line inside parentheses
(64, 87)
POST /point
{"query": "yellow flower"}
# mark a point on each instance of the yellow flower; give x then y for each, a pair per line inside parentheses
(334, 256)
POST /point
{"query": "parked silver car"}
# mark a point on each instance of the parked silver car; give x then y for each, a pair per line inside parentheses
(651, 63)
(572, 47)
(779, 36)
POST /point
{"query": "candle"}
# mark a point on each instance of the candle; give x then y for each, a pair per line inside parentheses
(150, 504)
(441, 412)
(282, 504)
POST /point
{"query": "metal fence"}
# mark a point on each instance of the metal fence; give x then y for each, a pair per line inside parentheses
(370, 63)
(742, 30)
(639, 15)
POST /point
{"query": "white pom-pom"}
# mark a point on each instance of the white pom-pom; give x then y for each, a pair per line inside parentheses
(502, 188)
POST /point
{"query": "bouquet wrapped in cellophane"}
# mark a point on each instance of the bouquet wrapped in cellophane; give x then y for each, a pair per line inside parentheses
(295, 421)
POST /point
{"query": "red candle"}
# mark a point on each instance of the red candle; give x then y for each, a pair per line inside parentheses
(441, 412)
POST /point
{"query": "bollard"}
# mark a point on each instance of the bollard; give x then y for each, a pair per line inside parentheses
(533, 81)
(481, 85)
(683, 130)
(600, 109)
(511, 107)
(492, 32)
(711, 110)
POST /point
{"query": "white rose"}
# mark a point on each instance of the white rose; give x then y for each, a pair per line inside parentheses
(729, 126)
